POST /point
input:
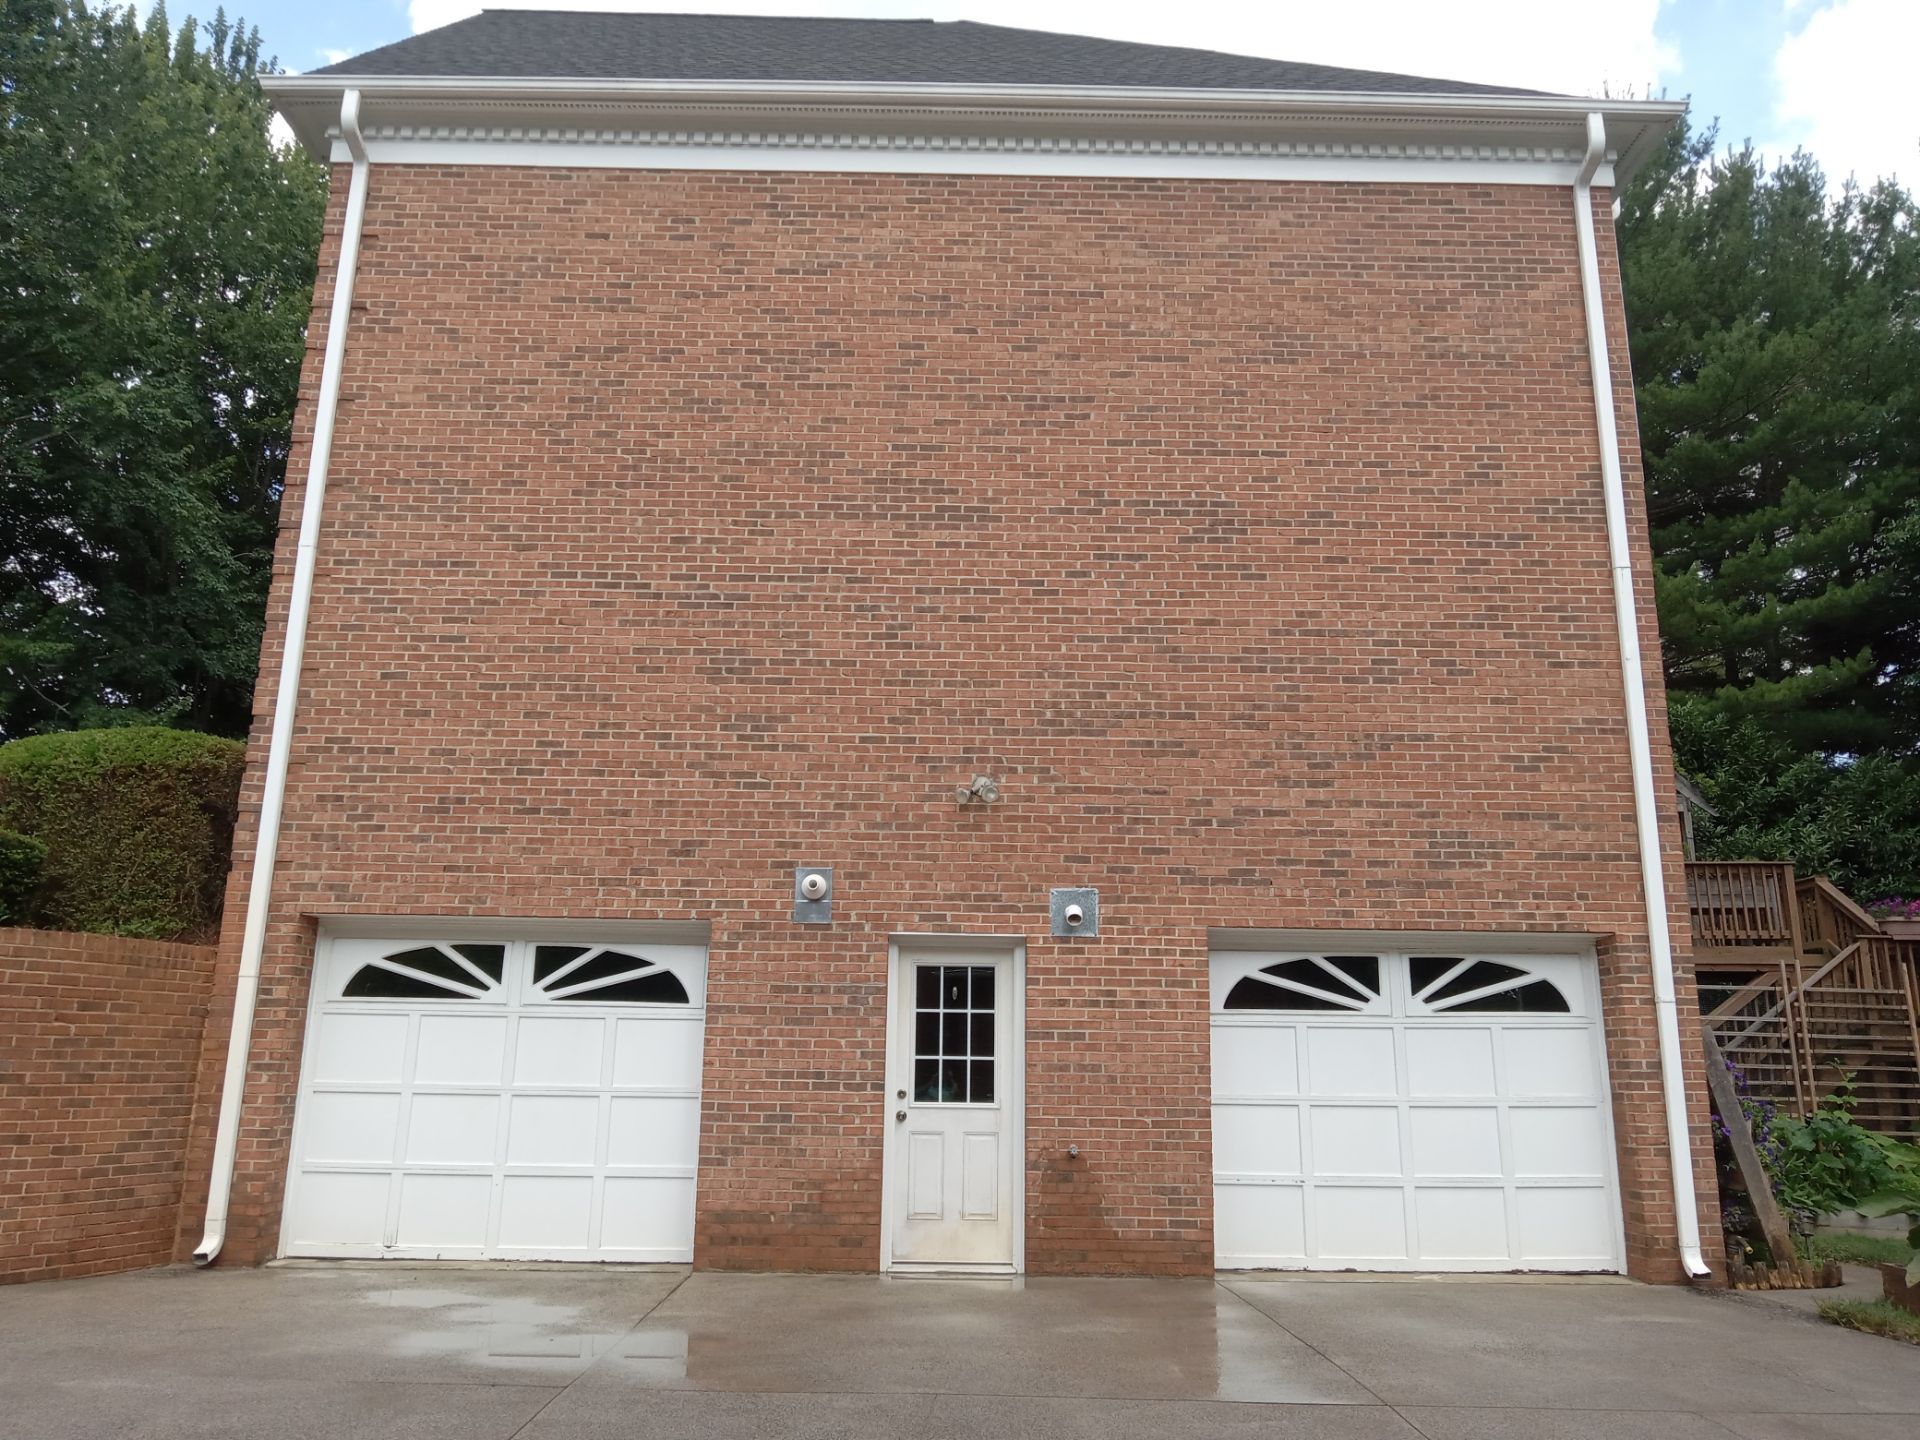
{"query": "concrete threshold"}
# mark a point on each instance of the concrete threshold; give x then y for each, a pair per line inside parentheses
(1414, 1277)
(558, 1267)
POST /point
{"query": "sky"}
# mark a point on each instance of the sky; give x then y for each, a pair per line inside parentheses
(1832, 76)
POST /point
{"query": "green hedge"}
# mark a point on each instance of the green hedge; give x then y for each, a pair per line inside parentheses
(137, 825)
(21, 857)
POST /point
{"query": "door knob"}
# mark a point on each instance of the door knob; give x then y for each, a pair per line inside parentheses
(899, 1114)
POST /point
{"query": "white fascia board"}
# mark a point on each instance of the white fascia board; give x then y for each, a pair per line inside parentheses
(968, 129)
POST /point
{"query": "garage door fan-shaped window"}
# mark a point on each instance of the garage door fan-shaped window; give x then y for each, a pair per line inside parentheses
(604, 976)
(1339, 983)
(430, 972)
(1451, 983)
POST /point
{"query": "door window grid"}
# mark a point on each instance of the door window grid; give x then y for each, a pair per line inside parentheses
(953, 1034)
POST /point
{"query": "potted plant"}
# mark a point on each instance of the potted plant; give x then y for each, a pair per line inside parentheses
(1899, 918)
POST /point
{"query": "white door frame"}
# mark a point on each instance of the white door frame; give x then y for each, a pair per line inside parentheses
(1011, 947)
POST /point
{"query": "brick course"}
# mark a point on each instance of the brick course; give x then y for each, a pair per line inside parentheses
(98, 1041)
(683, 526)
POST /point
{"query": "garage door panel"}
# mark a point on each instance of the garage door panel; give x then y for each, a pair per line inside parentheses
(1260, 1224)
(1455, 1141)
(1558, 1141)
(340, 1209)
(559, 1050)
(1356, 1140)
(1459, 1126)
(499, 1121)
(656, 1054)
(1351, 1060)
(352, 1127)
(1443, 1062)
(661, 1130)
(453, 1130)
(1461, 1223)
(444, 1212)
(1256, 1139)
(461, 1050)
(648, 1215)
(1360, 1222)
(1560, 1224)
(1547, 1063)
(1255, 1060)
(354, 1049)
(553, 1130)
(546, 1212)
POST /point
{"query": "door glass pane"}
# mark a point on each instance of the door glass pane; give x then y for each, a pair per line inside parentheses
(953, 1035)
(982, 1090)
(926, 1079)
(983, 1036)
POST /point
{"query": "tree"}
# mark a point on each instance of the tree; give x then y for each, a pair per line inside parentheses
(1856, 820)
(157, 255)
(1777, 363)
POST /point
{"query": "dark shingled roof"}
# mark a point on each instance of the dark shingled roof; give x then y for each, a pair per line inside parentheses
(581, 45)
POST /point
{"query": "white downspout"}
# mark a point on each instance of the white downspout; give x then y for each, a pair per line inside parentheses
(1646, 804)
(254, 937)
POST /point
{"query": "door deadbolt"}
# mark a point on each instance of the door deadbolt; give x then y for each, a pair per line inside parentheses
(900, 1094)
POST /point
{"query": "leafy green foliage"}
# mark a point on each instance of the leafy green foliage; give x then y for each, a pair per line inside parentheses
(21, 857)
(157, 257)
(1857, 821)
(1777, 365)
(137, 825)
(1828, 1162)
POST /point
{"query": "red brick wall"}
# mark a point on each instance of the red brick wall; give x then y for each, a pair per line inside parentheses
(98, 1042)
(686, 526)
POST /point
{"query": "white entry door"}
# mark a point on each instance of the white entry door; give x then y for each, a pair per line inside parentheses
(1416, 1111)
(473, 1098)
(953, 1112)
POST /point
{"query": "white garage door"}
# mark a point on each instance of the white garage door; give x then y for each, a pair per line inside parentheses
(478, 1099)
(1417, 1111)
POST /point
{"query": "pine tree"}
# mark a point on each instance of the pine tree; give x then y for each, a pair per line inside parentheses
(1777, 362)
(157, 255)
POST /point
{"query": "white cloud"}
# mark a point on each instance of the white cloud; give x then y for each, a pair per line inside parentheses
(1523, 43)
(334, 57)
(1845, 90)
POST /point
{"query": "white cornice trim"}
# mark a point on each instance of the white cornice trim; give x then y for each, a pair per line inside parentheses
(1360, 158)
(969, 129)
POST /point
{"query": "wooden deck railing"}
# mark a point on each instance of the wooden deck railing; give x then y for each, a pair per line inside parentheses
(1830, 921)
(1748, 904)
(1803, 990)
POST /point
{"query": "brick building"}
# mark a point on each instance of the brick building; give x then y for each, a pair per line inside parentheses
(929, 646)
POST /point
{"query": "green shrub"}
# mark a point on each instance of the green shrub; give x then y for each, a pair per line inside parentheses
(21, 857)
(137, 824)
(1830, 1162)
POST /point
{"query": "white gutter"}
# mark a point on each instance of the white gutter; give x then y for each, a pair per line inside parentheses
(253, 938)
(1646, 804)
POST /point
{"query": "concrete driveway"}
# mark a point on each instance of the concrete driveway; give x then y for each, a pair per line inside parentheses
(544, 1354)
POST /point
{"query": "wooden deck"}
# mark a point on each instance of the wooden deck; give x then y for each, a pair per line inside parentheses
(1804, 991)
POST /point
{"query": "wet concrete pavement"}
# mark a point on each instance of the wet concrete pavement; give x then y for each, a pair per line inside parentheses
(315, 1353)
